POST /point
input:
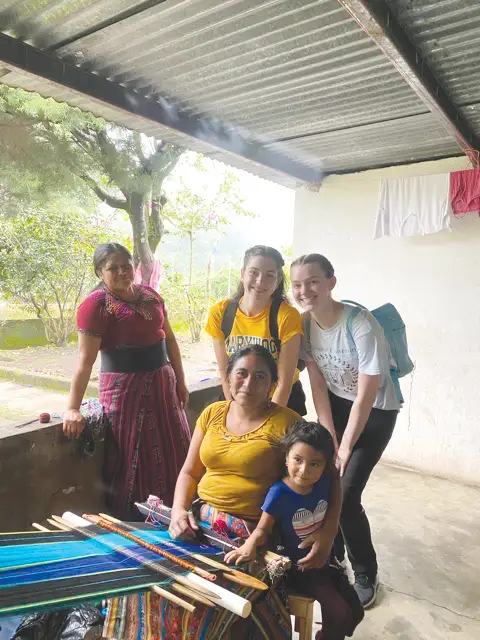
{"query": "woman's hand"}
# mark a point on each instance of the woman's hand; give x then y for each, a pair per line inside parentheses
(320, 550)
(73, 424)
(245, 553)
(183, 524)
(343, 457)
(182, 393)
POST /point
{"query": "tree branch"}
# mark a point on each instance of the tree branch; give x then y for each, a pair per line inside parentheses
(103, 194)
(137, 139)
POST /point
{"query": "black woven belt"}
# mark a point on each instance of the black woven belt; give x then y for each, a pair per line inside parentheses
(134, 359)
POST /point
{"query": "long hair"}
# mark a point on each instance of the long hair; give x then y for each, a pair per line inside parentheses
(265, 252)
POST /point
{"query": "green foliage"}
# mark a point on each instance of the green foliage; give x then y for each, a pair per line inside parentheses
(45, 262)
(187, 305)
(287, 253)
(191, 209)
(53, 155)
(50, 148)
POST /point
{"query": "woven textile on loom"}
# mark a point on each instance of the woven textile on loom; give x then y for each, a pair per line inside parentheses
(150, 617)
(48, 570)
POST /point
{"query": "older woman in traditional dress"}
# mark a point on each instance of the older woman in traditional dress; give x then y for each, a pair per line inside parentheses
(234, 458)
(142, 384)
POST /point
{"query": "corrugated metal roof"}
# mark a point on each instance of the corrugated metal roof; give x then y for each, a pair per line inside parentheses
(391, 142)
(260, 63)
(298, 74)
(448, 34)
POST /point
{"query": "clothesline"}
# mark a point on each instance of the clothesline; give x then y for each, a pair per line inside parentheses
(422, 205)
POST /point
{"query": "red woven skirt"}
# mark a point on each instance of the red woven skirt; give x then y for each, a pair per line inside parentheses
(147, 438)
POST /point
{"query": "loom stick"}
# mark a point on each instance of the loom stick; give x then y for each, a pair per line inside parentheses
(192, 594)
(166, 520)
(155, 588)
(173, 598)
(226, 599)
(229, 573)
(109, 526)
(233, 574)
(59, 525)
(81, 526)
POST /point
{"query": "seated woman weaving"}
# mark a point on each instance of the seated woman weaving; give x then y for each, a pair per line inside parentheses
(233, 459)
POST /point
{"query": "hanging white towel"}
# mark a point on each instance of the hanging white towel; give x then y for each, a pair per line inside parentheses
(413, 206)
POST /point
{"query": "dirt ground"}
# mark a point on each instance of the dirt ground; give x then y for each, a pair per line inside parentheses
(198, 360)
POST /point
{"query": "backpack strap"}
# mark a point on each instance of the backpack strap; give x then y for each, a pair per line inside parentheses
(351, 317)
(393, 371)
(273, 322)
(229, 317)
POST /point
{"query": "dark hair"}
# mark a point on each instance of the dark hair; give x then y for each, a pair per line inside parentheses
(265, 252)
(254, 350)
(315, 258)
(316, 436)
(104, 250)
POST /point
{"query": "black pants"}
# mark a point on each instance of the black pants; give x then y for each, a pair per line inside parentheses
(355, 532)
(297, 399)
(341, 608)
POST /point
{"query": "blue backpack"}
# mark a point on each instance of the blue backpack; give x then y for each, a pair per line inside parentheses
(395, 332)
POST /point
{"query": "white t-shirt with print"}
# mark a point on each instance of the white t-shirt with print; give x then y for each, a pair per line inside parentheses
(341, 359)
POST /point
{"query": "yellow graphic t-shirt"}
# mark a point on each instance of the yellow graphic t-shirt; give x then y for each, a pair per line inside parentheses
(241, 469)
(249, 330)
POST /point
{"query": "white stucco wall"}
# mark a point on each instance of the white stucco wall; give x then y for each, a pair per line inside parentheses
(434, 281)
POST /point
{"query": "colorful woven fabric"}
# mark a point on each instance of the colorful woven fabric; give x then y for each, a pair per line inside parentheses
(147, 437)
(158, 619)
(51, 570)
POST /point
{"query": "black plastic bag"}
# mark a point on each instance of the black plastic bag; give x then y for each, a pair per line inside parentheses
(67, 624)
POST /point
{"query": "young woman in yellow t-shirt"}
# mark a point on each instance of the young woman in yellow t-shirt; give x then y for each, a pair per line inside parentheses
(262, 282)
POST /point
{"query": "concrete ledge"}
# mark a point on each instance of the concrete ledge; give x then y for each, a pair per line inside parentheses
(43, 380)
(201, 395)
(42, 472)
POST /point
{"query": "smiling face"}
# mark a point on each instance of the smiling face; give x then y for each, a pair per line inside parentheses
(117, 272)
(310, 288)
(260, 278)
(250, 381)
(305, 466)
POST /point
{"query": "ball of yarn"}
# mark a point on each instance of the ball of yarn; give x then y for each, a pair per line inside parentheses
(44, 417)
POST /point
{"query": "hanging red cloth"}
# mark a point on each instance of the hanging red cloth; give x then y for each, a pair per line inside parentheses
(465, 191)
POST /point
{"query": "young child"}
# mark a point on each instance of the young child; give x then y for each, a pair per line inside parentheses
(297, 505)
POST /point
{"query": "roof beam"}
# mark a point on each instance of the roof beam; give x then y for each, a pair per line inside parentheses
(379, 23)
(23, 57)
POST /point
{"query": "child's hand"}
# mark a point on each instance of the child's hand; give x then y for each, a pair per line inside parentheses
(245, 553)
(319, 552)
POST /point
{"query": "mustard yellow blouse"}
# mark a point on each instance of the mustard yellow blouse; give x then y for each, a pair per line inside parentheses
(240, 469)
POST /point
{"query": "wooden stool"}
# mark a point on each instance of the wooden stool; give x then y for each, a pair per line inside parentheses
(302, 608)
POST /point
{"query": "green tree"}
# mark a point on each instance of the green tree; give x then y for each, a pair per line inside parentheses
(208, 206)
(46, 262)
(48, 147)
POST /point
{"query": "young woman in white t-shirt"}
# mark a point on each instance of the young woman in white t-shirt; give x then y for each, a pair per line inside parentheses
(348, 361)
